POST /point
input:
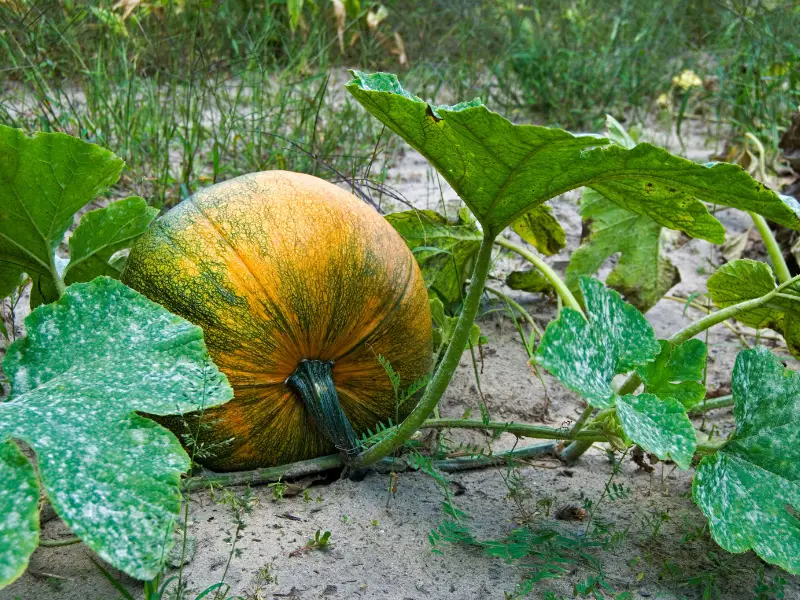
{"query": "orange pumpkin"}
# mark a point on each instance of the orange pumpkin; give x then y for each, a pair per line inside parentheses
(299, 287)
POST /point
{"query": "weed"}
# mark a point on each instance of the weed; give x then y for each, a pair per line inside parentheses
(241, 506)
(279, 489)
(320, 541)
(769, 590)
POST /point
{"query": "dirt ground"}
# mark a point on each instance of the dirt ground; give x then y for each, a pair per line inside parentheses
(380, 547)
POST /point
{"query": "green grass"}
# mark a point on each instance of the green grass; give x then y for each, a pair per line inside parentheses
(188, 93)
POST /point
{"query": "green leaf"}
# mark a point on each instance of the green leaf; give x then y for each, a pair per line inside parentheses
(44, 180)
(19, 505)
(502, 171)
(541, 230)
(643, 274)
(750, 490)
(676, 373)
(530, 280)
(103, 232)
(295, 8)
(110, 474)
(586, 355)
(659, 426)
(745, 279)
(444, 251)
(741, 280)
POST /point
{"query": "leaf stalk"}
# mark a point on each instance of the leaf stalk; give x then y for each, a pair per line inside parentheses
(561, 288)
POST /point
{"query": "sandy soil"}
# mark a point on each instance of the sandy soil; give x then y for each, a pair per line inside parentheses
(380, 547)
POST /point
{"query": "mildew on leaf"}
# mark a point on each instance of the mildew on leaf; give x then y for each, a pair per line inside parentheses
(750, 490)
(658, 426)
(586, 355)
(19, 508)
(110, 474)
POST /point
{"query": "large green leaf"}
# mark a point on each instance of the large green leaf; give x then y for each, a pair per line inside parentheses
(676, 372)
(750, 490)
(658, 426)
(103, 232)
(19, 507)
(444, 251)
(89, 360)
(502, 171)
(44, 180)
(586, 355)
(643, 274)
(745, 279)
(541, 230)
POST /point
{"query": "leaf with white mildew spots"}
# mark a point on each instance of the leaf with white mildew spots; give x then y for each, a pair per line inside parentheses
(586, 355)
(658, 426)
(19, 512)
(113, 476)
(750, 489)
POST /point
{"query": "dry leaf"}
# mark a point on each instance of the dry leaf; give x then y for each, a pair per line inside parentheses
(735, 245)
(127, 6)
(340, 12)
(376, 16)
(400, 50)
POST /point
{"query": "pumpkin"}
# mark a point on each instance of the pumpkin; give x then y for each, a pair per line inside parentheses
(299, 287)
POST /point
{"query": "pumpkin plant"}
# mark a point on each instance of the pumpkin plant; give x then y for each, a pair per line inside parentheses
(503, 171)
(746, 485)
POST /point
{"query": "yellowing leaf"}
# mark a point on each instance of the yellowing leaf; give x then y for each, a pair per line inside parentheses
(340, 12)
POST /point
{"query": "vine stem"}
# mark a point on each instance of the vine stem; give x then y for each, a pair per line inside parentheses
(572, 452)
(561, 288)
(447, 367)
(712, 404)
(710, 447)
(587, 412)
(519, 429)
(326, 463)
(773, 249)
(712, 319)
(707, 310)
(57, 279)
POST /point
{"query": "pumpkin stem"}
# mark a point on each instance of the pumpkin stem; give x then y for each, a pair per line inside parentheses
(313, 381)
